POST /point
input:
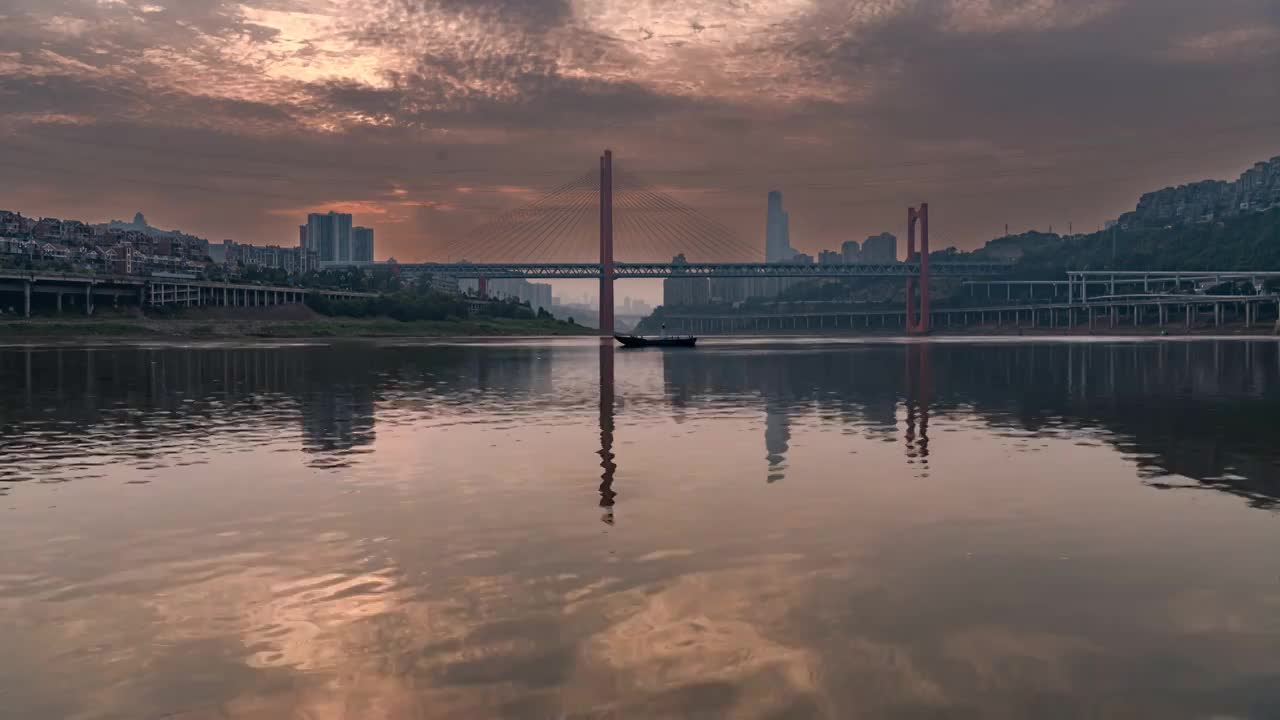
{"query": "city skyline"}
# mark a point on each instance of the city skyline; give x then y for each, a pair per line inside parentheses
(1030, 113)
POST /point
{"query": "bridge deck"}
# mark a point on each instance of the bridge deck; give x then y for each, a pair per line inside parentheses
(625, 270)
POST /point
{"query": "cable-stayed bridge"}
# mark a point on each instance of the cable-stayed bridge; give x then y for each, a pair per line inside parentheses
(611, 225)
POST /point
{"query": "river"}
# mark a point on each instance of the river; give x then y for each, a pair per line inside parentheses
(533, 528)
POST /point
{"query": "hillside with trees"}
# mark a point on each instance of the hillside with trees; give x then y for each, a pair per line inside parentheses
(1244, 242)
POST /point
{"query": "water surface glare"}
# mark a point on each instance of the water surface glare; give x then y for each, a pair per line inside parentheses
(545, 529)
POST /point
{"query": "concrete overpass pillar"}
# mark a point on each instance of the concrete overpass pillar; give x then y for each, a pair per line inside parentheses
(88, 299)
(26, 298)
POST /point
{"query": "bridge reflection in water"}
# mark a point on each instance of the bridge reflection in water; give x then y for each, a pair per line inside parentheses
(1201, 410)
(1142, 396)
(607, 464)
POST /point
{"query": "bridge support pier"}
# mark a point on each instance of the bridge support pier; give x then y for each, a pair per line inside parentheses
(26, 298)
(916, 319)
(606, 243)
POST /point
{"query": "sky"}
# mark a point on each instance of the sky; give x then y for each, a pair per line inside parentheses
(424, 117)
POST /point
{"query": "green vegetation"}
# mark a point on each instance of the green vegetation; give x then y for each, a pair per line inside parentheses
(413, 312)
(179, 328)
(415, 304)
(75, 328)
(419, 328)
(380, 278)
(404, 307)
(1246, 242)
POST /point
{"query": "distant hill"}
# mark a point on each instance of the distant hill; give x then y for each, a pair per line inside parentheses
(1242, 242)
(1256, 190)
(140, 223)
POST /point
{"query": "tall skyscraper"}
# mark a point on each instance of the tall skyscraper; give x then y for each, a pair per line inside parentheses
(362, 244)
(777, 234)
(329, 235)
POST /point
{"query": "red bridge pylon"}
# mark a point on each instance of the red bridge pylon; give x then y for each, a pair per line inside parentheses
(917, 320)
(606, 244)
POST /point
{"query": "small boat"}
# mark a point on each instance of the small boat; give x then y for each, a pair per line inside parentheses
(638, 341)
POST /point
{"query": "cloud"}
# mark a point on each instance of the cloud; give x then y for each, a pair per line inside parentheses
(225, 114)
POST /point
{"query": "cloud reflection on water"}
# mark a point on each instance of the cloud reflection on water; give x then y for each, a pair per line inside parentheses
(457, 566)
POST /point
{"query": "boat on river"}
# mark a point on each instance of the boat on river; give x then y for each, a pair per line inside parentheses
(639, 341)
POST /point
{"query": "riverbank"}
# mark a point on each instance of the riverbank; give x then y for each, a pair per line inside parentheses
(264, 325)
(1233, 329)
(1264, 330)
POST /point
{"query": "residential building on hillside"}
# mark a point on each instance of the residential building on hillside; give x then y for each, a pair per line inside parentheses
(1257, 189)
(538, 295)
(293, 260)
(13, 224)
(447, 284)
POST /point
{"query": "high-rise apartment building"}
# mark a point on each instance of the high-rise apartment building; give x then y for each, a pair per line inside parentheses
(362, 244)
(680, 291)
(851, 252)
(882, 248)
(777, 233)
(329, 235)
(538, 295)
